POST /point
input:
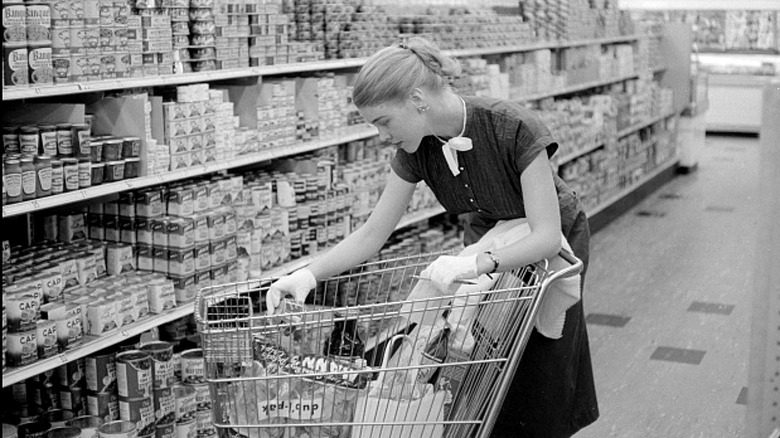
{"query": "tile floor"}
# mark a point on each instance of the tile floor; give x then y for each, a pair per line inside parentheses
(667, 305)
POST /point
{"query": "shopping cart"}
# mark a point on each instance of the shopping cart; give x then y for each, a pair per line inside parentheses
(364, 359)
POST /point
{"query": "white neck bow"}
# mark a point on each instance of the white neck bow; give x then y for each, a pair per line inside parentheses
(460, 143)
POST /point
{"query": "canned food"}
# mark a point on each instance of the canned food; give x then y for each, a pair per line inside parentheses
(71, 374)
(101, 372)
(57, 418)
(22, 348)
(14, 26)
(165, 430)
(40, 60)
(162, 296)
(46, 396)
(140, 411)
(131, 147)
(36, 429)
(46, 338)
(205, 425)
(15, 64)
(104, 405)
(161, 354)
(74, 399)
(87, 424)
(202, 396)
(63, 432)
(187, 429)
(22, 311)
(186, 405)
(118, 429)
(134, 374)
(164, 405)
(193, 366)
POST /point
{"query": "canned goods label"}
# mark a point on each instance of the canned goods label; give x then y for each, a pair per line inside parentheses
(165, 430)
(186, 405)
(187, 429)
(139, 411)
(202, 396)
(164, 405)
(22, 348)
(193, 366)
(22, 311)
(70, 332)
(74, 400)
(46, 336)
(14, 23)
(205, 425)
(40, 65)
(15, 64)
(38, 22)
(91, 39)
(162, 296)
(104, 405)
(161, 354)
(101, 373)
(134, 374)
(72, 374)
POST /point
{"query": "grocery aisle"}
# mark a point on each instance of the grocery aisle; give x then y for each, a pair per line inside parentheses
(667, 303)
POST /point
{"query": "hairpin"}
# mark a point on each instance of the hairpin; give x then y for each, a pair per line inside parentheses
(403, 46)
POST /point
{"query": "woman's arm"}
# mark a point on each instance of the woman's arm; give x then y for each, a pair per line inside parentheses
(544, 219)
(368, 239)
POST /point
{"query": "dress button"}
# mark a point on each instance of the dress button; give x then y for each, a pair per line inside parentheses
(471, 199)
(466, 185)
(462, 168)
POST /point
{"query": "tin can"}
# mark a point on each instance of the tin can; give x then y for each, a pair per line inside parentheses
(15, 64)
(104, 405)
(40, 63)
(38, 21)
(29, 140)
(36, 429)
(101, 372)
(87, 424)
(205, 425)
(64, 140)
(164, 405)
(140, 411)
(193, 366)
(46, 396)
(14, 23)
(202, 396)
(118, 429)
(22, 311)
(134, 374)
(57, 418)
(63, 432)
(10, 431)
(61, 68)
(72, 374)
(80, 134)
(22, 348)
(131, 147)
(187, 429)
(60, 40)
(186, 405)
(74, 399)
(161, 354)
(46, 338)
(165, 430)
(70, 332)
(30, 414)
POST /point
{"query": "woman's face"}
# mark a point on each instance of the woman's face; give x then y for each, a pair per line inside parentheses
(399, 123)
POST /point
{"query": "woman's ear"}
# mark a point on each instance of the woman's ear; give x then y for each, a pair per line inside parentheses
(418, 98)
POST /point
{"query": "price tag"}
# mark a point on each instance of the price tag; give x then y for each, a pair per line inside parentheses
(38, 90)
(83, 194)
(128, 184)
(160, 178)
(36, 205)
(125, 333)
(63, 357)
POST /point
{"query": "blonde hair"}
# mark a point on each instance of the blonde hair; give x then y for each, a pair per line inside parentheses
(393, 72)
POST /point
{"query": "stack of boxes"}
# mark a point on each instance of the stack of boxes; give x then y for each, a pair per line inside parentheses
(203, 32)
(232, 35)
(332, 101)
(368, 31)
(190, 127)
(269, 30)
(156, 40)
(276, 113)
(180, 34)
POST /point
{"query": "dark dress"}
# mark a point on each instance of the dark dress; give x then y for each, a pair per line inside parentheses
(552, 393)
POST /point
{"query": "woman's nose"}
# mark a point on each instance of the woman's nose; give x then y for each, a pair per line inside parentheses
(384, 135)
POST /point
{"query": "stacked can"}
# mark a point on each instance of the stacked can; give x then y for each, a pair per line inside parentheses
(135, 377)
(193, 376)
(15, 52)
(72, 386)
(203, 32)
(180, 27)
(232, 33)
(269, 31)
(39, 43)
(163, 397)
(156, 37)
(101, 380)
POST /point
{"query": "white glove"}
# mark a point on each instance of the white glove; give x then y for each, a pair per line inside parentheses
(298, 284)
(446, 269)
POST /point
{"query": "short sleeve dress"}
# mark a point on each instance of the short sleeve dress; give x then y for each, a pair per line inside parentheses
(552, 393)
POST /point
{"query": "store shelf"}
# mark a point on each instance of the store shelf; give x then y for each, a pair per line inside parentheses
(11, 94)
(632, 129)
(627, 191)
(575, 88)
(94, 343)
(574, 155)
(352, 134)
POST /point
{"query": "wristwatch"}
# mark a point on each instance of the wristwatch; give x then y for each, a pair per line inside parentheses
(493, 258)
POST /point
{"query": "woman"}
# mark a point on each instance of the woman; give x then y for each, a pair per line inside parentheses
(503, 174)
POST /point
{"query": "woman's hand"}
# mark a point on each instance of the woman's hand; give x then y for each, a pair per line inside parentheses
(298, 284)
(446, 269)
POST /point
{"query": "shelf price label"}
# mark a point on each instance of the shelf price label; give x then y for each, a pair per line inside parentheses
(84, 194)
(63, 358)
(125, 334)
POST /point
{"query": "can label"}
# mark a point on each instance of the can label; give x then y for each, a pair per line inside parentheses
(164, 405)
(74, 400)
(185, 403)
(104, 405)
(72, 374)
(161, 354)
(61, 69)
(70, 332)
(15, 64)
(40, 65)
(205, 425)
(139, 411)
(14, 23)
(202, 396)
(193, 367)
(46, 335)
(187, 429)
(38, 22)
(101, 373)
(134, 374)
(22, 348)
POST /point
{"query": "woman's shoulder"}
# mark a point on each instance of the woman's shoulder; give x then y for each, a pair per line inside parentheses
(504, 112)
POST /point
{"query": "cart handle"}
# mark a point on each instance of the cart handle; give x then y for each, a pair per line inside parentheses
(575, 269)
